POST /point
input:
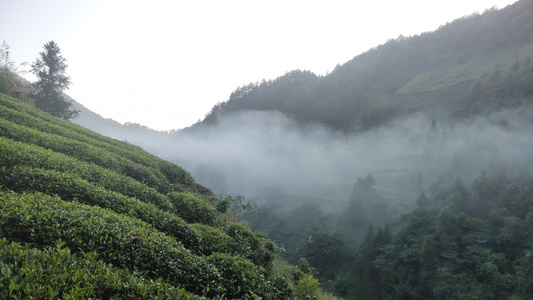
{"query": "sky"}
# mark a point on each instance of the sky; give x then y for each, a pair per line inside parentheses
(165, 64)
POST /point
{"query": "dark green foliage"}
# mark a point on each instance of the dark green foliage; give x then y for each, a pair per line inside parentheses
(55, 272)
(267, 95)
(237, 241)
(211, 240)
(243, 278)
(86, 152)
(325, 252)
(16, 153)
(125, 242)
(305, 285)
(255, 246)
(194, 210)
(71, 187)
(472, 243)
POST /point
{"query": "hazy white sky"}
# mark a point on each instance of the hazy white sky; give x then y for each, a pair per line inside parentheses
(164, 64)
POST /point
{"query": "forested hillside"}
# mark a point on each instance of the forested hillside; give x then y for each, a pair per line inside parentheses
(477, 64)
(85, 216)
(465, 241)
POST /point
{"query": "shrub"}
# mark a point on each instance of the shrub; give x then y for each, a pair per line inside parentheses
(86, 152)
(54, 272)
(71, 187)
(125, 242)
(255, 246)
(18, 113)
(212, 240)
(244, 278)
(193, 209)
(16, 153)
(306, 288)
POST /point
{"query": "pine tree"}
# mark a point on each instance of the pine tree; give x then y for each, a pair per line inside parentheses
(50, 69)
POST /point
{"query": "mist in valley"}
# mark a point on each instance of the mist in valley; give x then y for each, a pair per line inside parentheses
(304, 178)
(258, 153)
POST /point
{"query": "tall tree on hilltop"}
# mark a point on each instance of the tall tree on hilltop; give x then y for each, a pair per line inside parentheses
(50, 69)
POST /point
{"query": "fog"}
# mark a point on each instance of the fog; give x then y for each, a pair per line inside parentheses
(256, 153)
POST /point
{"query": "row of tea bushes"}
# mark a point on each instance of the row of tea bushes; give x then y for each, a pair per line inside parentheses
(16, 112)
(129, 243)
(199, 238)
(56, 273)
(194, 210)
(13, 153)
(87, 153)
(71, 187)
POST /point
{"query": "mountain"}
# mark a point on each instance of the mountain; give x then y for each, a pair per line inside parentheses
(86, 216)
(337, 164)
(474, 65)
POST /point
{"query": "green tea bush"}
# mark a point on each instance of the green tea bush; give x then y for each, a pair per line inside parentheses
(86, 152)
(15, 153)
(194, 210)
(131, 223)
(71, 187)
(123, 241)
(16, 112)
(126, 243)
(199, 238)
(244, 278)
(56, 273)
(22, 114)
(212, 240)
(254, 246)
(248, 281)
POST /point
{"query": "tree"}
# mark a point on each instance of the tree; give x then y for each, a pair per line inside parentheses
(10, 82)
(235, 204)
(6, 64)
(50, 69)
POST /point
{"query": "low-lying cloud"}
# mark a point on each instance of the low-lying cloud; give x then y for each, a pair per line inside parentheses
(256, 152)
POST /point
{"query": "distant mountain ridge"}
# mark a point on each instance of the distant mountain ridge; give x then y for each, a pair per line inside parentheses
(434, 72)
(133, 133)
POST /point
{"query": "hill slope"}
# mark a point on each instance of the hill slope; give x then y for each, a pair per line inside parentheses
(141, 224)
(131, 132)
(441, 73)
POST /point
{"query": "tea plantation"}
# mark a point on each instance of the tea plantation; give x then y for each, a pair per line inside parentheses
(85, 216)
